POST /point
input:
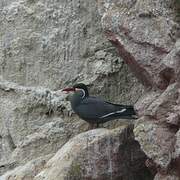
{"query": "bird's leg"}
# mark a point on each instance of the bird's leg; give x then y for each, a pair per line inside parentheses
(93, 126)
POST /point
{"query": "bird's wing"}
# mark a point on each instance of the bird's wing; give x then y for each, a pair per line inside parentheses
(119, 105)
(95, 108)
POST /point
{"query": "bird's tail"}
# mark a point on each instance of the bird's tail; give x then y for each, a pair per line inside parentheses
(125, 112)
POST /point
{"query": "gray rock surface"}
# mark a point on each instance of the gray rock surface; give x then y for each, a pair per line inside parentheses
(46, 45)
(28, 171)
(98, 154)
(55, 43)
(32, 124)
(166, 177)
(95, 154)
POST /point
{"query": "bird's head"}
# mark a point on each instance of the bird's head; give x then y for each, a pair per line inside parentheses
(76, 88)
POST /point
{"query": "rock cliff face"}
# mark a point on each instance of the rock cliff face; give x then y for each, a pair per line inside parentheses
(44, 46)
(96, 154)
(48, 44)
(146, 35)
(56, 43)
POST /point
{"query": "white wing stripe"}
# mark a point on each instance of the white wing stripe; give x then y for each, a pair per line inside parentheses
(113, 113)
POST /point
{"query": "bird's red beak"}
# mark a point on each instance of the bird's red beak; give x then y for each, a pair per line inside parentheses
(67, 90)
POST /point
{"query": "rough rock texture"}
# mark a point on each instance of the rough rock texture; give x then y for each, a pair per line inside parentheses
(98, 154)
(32, 124)
(146, 35)
(52, 44)
(44, 46)
(28, 171)
(56, 43)
(166, 177)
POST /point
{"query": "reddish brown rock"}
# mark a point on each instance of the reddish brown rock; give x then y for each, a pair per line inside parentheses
(145, 34)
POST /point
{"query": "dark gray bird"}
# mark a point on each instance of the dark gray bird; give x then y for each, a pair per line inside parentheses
(95, 110)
